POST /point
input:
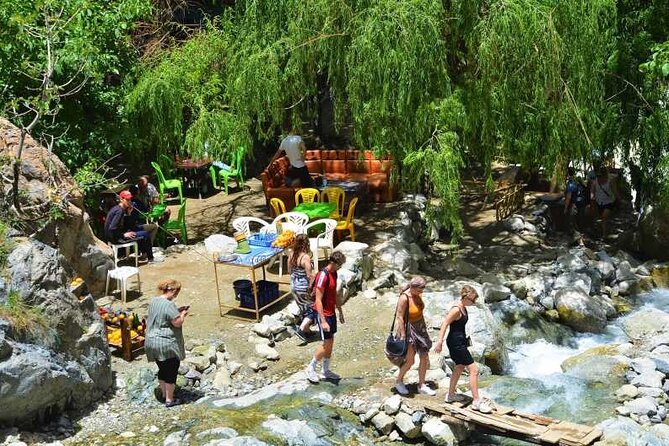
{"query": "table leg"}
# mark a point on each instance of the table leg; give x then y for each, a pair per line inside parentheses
(218, 292)
(255, 292)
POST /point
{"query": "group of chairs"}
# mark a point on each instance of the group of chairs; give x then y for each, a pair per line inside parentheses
(330, 194)
(165, 184)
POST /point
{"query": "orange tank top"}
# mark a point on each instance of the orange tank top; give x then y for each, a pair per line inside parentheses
(415, 310)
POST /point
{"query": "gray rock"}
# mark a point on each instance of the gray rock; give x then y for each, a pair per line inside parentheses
(624, 272)
(573, 280)
(392, 404)
(515, 223)
(606, 269)
(217, 432)
(200, 363)
(294, 432)
(645, 324)
(294, 384)
(367, 416)
(642, 406)
(627, 392)
(643, 365)
(649, 379)
(495, 292)
(222, 379)
(653, 392)
(578, 311)
(438, 433)
(383, 423)
(179, 438)
(406, 425)
(385, 280)
(267, 352)
(237, 441)
(571, 262)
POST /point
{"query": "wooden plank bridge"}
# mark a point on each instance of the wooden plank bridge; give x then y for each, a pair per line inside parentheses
(508, 422)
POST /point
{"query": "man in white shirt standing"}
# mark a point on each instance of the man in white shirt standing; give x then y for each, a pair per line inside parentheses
(298, 174)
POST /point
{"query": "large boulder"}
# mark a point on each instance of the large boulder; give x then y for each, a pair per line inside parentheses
(580, 311)
(602, 365)
(64, 360)
(645, 324)
(45, 181)
(653, 234)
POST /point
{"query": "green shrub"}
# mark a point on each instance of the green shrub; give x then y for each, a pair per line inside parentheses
(28, 322)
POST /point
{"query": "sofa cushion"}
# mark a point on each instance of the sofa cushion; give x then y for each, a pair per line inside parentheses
(357, 166)
(380, 166)
(314, 166)
(311, 155)
(329, 154)
(334, 166)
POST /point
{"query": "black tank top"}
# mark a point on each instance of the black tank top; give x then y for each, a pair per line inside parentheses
(456, 334)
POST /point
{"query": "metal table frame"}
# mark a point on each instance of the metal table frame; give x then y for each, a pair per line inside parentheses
(256, 310)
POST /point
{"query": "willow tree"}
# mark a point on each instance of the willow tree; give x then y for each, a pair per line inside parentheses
(540, 96)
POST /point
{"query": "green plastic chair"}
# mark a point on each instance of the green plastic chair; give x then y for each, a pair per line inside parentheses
(179, 224)
(236, 170)
(164, 184)
(166, 163)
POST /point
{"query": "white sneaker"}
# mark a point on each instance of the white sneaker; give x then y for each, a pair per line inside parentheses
(425, 390)
(483, 405)
(330, 375)
(401, 389)
(312, 376)
(455, 398)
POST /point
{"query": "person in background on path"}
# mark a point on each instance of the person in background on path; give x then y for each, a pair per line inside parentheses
(298, 174)
(164, 342)
(323, 312)
(411, 305)
(457, 343)
(301, 276)
(576, 195)
(604, 196)
(119, 227)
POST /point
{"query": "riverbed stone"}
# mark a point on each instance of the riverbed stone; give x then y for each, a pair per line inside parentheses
(267, 352)
(495, 292)
(179, 438)
(217, 432)
(600, 364)
(578, 311)
(438, 433)
(624, 272)
(645, 324)
(406, 425)
(367, 416)
(571, 262)
(660, 275)
(294, 432)
(296, 383)
(644, 405)
(606, 269)
(642, 365)
(627, 392)
(653, 392)
(648, 379)
(383, 422)
(573, 280)
(200, 363)
(392, 405)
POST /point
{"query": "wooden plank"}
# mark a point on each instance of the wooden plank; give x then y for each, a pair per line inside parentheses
(551, 436)
(504, 422)
(594, 435)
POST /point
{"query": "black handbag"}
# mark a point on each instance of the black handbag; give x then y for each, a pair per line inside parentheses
(396, 349)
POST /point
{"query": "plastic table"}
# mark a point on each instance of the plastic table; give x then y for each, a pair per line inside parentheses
(316, 210)
(257, 258)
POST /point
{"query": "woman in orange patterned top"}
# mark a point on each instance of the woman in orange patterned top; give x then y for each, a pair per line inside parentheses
(411, 305)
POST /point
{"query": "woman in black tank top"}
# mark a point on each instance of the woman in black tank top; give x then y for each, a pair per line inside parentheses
(457, 344)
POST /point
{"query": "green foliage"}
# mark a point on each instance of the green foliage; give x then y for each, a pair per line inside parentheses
(90, 42)
(28, 322)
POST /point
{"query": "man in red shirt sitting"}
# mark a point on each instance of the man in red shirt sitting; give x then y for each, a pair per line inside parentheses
(323, 312)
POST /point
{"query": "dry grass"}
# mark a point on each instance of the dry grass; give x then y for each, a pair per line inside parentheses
(28, 322)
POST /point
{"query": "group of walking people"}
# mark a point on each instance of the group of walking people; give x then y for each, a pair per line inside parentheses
(316, 295)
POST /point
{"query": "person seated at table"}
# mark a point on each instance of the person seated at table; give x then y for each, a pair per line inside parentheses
(298, 174)
(122, 227)
(148, 196)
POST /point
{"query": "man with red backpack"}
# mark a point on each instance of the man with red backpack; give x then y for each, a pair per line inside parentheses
(323, 313)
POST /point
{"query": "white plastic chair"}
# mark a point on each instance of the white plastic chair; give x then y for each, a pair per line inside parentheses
(324, 240)
(121, 274)
(290, 221)
(242, 224)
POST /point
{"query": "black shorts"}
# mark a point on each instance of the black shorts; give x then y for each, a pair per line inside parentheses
(168, 369)
(460, 354)
(602, 207)
(301, 173)
(332, 322)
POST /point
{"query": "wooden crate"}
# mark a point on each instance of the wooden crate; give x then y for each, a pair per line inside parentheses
(129, 347)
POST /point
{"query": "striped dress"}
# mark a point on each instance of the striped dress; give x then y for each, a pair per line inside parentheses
(163, 340)
(299, 282)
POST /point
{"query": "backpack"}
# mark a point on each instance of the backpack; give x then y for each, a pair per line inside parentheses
(311, 291)
(580, 196)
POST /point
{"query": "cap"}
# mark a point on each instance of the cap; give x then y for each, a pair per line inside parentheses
(125, 195)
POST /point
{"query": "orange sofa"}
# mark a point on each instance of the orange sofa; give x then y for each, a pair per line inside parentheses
(334, 165)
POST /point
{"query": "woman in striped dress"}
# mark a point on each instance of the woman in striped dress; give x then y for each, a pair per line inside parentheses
(164, 340)
(301, 276)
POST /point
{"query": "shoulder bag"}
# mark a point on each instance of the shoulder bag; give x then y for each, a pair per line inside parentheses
(396, 349)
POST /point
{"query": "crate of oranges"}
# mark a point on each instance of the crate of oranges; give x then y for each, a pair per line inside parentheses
(125, 331)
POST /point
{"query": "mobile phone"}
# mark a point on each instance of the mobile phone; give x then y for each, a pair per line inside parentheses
(184, 307)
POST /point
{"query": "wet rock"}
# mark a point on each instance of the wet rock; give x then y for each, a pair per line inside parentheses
(600, 364)
(294, 432)
(383, 423)
(406, 425)
(606, 269)
(573, 280)
(649, 379)
(645, 324)
(578, 311)
(642, 406)
(294, 384)
(643, 365)
(571, 262)
(438, 433)
(624, 272)
(660, 276)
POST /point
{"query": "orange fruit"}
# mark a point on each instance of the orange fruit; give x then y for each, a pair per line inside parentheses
(121, 316)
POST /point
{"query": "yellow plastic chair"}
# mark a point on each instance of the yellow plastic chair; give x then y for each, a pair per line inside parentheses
(347, 225)
(306, 195)
(278, 206)
(335, 195)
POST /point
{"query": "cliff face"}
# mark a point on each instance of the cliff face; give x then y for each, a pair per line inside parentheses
(44, 179)
(53, 347)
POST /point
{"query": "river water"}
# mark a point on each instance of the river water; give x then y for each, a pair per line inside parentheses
(535, 383)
